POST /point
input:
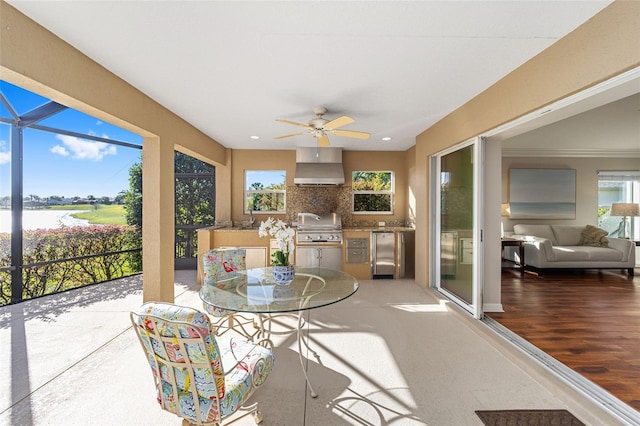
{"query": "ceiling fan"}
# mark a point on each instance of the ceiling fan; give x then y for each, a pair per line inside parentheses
(320, 127)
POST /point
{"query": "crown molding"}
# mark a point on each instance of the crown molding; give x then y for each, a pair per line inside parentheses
(554, 152)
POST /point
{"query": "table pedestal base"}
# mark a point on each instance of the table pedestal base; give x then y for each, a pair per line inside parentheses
(266, 321)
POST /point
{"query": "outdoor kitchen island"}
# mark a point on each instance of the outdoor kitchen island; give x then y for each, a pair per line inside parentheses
(355, 247)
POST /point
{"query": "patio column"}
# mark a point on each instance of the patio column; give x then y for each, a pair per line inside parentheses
(158, 220)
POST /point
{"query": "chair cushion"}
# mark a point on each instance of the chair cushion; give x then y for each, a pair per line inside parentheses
(256, 364)
(219, 265)
(233, 389)
(220, 268)
(197, 319)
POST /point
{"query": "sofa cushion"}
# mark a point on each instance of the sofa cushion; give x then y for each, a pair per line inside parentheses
(570, 254)
(567, 235)
(603, 254)
(594, 237)
(541, 231)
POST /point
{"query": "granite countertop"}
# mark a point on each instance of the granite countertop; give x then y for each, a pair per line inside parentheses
(379, 228)
(354, 228)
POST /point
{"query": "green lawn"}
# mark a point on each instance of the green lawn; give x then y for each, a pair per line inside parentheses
(100, 214)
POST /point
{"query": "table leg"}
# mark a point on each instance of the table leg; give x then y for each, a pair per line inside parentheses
(301, 340)
(521, 252)
(265, 326)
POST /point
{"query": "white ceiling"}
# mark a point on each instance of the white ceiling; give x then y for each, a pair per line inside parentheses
(231, 68)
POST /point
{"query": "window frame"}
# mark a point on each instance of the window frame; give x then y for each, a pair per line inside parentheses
(390, 192)
(248, 192)
(628, 183)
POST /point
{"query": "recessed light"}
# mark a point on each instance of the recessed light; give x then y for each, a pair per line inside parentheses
(254, 137)
(386, 138)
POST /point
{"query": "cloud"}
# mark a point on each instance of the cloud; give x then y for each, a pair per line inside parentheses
(60, 150)
(93, 133)
(80, 149)
(5, 157)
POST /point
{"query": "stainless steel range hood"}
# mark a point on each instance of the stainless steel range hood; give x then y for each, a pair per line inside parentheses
(318, 166)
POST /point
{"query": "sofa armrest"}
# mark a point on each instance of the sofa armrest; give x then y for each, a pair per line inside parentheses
(627, 247)
(540, 247)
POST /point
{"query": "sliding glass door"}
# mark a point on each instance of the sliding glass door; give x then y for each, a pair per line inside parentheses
(458, 237)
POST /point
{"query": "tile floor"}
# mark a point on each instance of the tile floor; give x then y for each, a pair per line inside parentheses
(393, 353)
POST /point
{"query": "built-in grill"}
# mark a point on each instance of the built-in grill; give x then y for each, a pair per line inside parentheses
(317, 229)
(319, 240)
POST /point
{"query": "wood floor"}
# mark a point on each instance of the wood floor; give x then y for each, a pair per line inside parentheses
(588, 320)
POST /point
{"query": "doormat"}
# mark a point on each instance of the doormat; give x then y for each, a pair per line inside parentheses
(528, 418)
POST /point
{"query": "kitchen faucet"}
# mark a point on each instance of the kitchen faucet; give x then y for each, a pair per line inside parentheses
(252, 219)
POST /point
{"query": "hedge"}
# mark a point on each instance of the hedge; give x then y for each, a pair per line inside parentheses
(59, 259)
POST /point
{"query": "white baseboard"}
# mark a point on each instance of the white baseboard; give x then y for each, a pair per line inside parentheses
(492, 307)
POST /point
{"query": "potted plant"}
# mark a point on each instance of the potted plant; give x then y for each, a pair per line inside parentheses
(283, 271)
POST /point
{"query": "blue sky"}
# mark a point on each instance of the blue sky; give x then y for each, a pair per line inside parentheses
(63, 165)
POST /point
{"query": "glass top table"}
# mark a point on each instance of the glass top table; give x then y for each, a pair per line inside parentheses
(253, 290)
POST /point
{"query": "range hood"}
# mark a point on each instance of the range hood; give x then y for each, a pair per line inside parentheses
(318, 166)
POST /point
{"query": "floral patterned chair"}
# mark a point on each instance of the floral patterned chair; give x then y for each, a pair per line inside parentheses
(198, 377)
(220, 268)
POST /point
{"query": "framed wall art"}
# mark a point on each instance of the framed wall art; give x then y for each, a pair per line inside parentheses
(542, 193)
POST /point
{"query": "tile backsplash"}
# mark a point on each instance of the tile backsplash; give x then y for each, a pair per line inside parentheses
(328, 199)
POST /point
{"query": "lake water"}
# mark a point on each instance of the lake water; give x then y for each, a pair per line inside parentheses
(42, 219)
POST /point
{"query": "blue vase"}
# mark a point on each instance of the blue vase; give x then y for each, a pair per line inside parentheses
(283, 275)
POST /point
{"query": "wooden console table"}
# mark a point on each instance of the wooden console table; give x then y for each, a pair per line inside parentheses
(512, 242)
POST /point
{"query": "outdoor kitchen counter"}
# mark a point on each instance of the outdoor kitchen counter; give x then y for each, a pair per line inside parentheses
(258, 249)
(379, 228)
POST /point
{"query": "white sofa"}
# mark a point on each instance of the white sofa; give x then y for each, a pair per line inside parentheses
(559, 246)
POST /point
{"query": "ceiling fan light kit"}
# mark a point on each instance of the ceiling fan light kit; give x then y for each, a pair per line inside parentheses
(320, 127)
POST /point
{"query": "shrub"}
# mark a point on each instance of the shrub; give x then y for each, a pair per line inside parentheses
(69, 257)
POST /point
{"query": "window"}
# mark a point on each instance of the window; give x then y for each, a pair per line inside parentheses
(265, 191)
(372, 192)
(618, 187)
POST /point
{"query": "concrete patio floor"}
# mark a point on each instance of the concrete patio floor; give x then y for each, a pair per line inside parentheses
(393, 353)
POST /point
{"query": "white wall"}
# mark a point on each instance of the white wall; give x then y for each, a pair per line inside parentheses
(605, 138)
(586, 183)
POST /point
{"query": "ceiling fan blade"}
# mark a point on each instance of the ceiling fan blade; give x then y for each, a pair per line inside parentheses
(338, 122)
(323, 140)
(351, 134)
(306, 126)
(289, 135)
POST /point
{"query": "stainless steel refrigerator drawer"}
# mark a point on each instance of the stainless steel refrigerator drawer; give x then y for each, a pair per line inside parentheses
(383, 246)
(358, 243)
(357, 255)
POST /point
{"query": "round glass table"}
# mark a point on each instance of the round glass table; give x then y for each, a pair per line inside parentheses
(255, 291)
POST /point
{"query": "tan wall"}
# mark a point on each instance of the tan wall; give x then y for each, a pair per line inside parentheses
(38, 61)
(395, 161)
(249, 159)
(601, 48)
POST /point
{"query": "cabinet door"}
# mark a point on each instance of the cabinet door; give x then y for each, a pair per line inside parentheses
(307, 257)
(331, 257)
(256, 257)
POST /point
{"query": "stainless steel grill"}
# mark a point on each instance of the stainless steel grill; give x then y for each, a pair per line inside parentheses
(319, 229)
(319, 240)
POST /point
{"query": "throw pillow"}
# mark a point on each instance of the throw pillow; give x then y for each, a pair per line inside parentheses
(594, 237)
